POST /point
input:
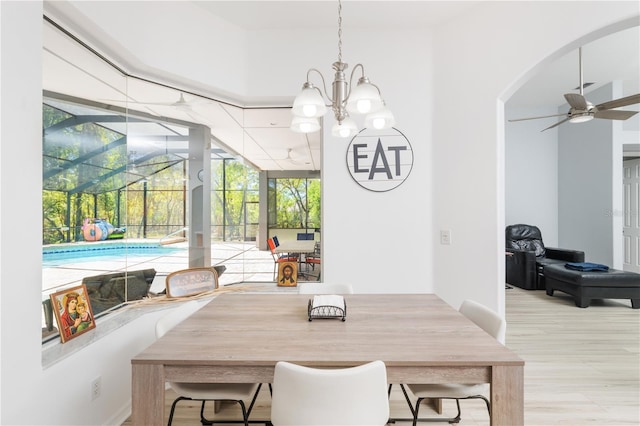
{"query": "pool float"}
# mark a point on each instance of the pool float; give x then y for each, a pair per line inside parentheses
(99, 230)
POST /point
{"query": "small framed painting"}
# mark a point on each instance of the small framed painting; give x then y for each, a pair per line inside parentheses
(73, 312)
(287, 274)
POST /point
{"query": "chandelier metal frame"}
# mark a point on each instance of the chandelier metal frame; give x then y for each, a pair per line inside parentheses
(364, 98)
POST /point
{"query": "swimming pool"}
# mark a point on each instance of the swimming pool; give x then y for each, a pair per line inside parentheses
(61, 255)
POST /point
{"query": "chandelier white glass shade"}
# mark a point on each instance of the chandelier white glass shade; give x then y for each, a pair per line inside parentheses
(305, 124)
(309, 103)
(364, 98)
(344, 100)
(345, 128)
(380, 119)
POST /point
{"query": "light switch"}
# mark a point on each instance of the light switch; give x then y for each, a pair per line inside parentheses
(445, 237)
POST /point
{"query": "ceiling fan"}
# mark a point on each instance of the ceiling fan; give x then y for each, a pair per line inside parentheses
(292, 158)
(582, 110)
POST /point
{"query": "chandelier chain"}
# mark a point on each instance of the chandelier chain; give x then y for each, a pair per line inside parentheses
(339, 31)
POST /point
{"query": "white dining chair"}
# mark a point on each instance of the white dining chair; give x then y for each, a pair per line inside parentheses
(305, 396)
(324, 288)
(237, 392)
(494, 325)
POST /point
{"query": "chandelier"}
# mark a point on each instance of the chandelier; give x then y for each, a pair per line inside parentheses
(362, 99)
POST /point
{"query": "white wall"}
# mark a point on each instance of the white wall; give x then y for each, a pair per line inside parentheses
(589, 178)
(479, 61)
(166, 41)
(531, 172)
(20, 216)
(382, 241)
(590, 185)
(31, 394)
(464, 68)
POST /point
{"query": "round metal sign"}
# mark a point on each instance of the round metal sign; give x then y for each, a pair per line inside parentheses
(379, 160)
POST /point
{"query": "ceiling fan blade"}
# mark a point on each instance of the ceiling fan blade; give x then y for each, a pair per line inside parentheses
(576, 101)
(535, 118)
(617, 103)
(615, 114)
(557, 124)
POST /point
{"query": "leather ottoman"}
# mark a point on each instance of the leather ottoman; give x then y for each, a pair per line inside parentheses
(587, 285)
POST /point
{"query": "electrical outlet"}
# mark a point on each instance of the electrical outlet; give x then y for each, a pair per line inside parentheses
(445, 237)
(96, 388)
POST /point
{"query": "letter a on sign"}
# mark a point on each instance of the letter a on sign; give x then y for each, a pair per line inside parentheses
(379, 160)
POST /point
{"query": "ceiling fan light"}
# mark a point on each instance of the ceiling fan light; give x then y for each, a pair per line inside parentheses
(181, 103)
(345, 128)
(381, 119)
(309, 103)
(582, 118)
(305, 125)
(364, 98)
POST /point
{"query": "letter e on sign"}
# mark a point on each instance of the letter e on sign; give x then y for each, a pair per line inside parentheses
(379, 160)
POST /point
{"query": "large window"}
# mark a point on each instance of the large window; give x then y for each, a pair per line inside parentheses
(89, 173)
(76, 163)
(294, 203)
(235, 194)
(119, 156)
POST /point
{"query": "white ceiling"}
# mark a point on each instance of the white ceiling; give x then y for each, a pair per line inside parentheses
(614, 57)
(263, 136)
(252, 15)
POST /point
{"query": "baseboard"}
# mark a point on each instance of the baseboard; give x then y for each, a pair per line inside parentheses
(121, 416)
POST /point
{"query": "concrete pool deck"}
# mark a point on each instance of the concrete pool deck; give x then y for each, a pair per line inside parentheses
(244, 263)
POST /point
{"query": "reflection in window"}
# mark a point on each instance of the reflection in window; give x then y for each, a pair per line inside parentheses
(109, 157)
(80, 179)
(88, 174)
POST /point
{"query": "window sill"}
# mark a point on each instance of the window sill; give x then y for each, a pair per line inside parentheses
(55, 351)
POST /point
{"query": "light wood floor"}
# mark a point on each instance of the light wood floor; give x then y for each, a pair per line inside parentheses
(582, 366)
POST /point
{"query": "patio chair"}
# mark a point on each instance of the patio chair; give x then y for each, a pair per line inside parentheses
(279, 258)
(314, 258)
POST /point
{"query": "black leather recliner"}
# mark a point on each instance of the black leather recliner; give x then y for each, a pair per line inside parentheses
(527, 256)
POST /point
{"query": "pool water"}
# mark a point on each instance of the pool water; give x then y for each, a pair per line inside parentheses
(62, 255)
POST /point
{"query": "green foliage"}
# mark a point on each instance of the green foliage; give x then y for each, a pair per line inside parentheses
(314, 206)
(75, 163)
(294, 203)
(233, 186)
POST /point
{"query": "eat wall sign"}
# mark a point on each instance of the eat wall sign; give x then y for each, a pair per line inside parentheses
(379, 160)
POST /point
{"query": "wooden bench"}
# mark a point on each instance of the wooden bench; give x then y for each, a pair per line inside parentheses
(587, 285)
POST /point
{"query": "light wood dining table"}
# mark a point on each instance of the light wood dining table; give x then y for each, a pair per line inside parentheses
(238, 338)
